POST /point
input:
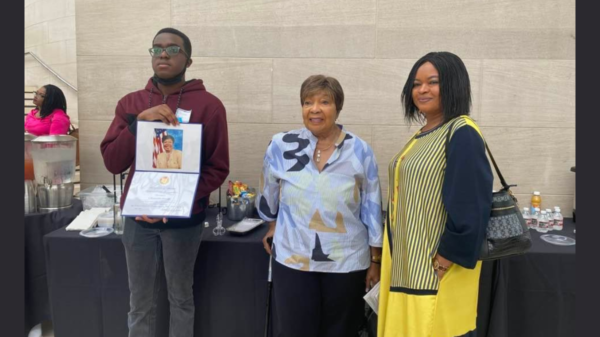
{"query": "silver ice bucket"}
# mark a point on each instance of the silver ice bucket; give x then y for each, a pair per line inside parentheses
(30, 200)
(239, 208)
(54, 197)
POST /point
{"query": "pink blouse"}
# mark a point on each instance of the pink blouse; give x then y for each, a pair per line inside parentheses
(57, 123)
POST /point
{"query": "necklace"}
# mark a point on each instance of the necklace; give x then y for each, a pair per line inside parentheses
(319, 152)
(326, 149)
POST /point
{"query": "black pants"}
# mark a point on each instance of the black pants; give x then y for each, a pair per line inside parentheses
(314, 304)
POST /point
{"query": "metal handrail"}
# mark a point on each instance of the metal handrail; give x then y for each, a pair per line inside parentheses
(50, 69)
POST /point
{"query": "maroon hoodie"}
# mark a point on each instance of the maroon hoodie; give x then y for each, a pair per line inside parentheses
(118, 146)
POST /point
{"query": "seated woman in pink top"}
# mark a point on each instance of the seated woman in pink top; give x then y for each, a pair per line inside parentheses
(50, 114)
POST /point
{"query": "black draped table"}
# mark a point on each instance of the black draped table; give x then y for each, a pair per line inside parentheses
(37, 305)
(529, 295)
(89, 291)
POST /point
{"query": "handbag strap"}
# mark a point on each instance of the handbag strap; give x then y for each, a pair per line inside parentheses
(502, 181)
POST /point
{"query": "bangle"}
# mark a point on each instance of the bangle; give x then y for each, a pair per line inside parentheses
(375, 262)
(438, 266)
(376, 259)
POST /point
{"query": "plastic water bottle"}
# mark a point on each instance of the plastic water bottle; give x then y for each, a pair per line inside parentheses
(527, 216)
(536, 200)
(543, 222)
(550, 216)
(534, 218)
(558, 219)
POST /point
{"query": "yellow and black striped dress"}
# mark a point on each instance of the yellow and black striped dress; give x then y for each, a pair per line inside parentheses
(413, 301)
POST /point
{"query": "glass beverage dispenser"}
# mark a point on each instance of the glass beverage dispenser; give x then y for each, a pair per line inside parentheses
(54, 170)
(30, 199)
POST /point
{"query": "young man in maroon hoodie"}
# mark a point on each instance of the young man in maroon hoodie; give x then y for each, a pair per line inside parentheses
(176, 241)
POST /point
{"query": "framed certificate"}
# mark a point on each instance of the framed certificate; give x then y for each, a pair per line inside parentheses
(167, 160)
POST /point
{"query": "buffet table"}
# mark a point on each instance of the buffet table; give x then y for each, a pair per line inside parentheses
(529, 295)
(37, 305)
(90, 295)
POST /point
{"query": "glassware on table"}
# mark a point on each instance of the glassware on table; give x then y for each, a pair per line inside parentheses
(219, 230)
(119, 224)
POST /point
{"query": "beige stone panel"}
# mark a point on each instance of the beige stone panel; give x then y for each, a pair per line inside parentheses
(47, 10)
(68, 72)
(247, 146)
(61, 29)
(272, 13)
(30, 62)
(528, 93)
(29, 2)
(535, 159)
(114, 27)
(33, 14)
(36, 76)
(36, 35)
(387, 141)
(61, 52)
(356, 41)
(53, 9)
(364, 132)
(243, 85)
(372, 88)
(452, 14)
(70, 11)
(32, 49)
(92, 166)
(475, 70)
(103, 81)
(510, 43)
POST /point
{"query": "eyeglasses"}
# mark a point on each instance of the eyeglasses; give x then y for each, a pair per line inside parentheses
(171, 50)
(35, 93)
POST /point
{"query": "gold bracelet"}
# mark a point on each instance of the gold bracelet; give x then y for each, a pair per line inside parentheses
(437, 266)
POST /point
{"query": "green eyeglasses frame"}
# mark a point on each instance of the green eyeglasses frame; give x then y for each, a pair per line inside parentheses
(171, 50)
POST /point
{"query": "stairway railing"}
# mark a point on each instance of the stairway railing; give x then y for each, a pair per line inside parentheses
(50, 69)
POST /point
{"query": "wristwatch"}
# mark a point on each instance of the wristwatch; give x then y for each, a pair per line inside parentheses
(376, 259)
(437, 266)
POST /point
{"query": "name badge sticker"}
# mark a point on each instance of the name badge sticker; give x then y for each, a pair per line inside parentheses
(183, 116)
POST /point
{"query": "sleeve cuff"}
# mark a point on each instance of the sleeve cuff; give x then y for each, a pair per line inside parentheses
(449, 241)
(132, 120)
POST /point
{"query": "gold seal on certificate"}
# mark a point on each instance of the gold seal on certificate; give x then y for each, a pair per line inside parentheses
(167, 164)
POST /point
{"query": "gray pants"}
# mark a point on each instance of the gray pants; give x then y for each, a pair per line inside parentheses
(144, 249)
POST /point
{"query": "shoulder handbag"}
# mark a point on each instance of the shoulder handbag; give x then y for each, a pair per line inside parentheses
(506, 233)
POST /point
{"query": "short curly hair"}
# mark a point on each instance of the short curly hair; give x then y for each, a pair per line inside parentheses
(321, 83)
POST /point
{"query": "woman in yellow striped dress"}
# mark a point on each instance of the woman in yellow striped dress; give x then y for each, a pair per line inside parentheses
(439, 202)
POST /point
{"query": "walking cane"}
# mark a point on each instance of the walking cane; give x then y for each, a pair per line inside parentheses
(269, 286)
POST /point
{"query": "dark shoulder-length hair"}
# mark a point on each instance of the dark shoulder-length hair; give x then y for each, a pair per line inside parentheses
(54, 99)
(455, 87)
